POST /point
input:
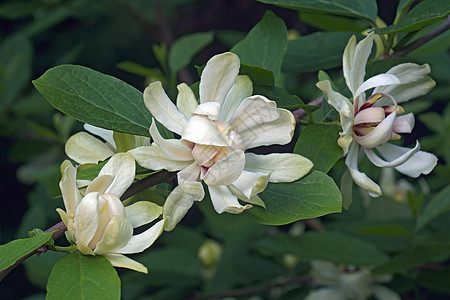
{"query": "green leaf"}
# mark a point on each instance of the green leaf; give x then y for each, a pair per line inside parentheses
(330, 246)
(79, 276)
(15, 67)
(264, 45)
(312, 196)
(95, 98)
(89, 171)
(427, 11)
(331, 23)
(14, 250)
(258, 75)
(389, 230)
(365, 9)
(138, 69)
(319, 144)
(437, 206)
(435, 280)
(184, 49)
(303, 54)
(281, 96)
(17, 9)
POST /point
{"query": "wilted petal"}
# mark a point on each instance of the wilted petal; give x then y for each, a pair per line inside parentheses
(251, 183)
(153, 158)
(227, 170)
(84, 148)
(420, 163)
(142, 212)
(223, 200)
(122, 167)
(404, 124)
(172, 148)
(116, 235)
(162, 109)
(86, 219)
(121, 261)
(105, 134)
(380, 135)
(283, 167)
(186, 101)
(202, 130)
(377, 161)
(242, 89)
(70, 194)
(218, 76)
(378, 80)
(142, 241)
(176, 206)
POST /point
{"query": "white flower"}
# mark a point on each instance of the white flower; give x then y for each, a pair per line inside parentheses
(98, 223)
(214, 135)
(347, 283)
(373, 122)
(84, 148)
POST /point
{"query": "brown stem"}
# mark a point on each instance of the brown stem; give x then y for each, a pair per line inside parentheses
(424, 39)
(301, 113)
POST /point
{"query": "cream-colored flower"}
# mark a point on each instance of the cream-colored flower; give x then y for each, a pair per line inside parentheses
(373, 122)
(214, 137)
(98, 223)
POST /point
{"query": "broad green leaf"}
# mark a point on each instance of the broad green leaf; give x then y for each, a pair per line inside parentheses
(95, 98)
(259, 76)
(184, 49)
(15, 67)
(14, 250)
(365, 9)
(427, 11)
(312, 196)
(303, 54)
(89, 171)
(331, 23)
(330, 246)
(281, 96)
(319, 144)
(79, 276)
(437, 206)
(435, 280)
(264, 45)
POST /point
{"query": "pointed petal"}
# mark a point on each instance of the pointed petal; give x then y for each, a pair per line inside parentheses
(105, 134)
(63, 215)
(377, 161)
(122, 167)
(359, 178)
(202, 130)
(283, 167)
(84, 148)
(142, 212)
(347, 59)
(251, 183)
(242, 89)
(162, 109)
(70, 194)
(186, 101)
(404, 124)
(218, 77)
(172, 148)
(420, 163)
(100, 184)
(176, 206)
(224, 201)
(209, 109)
(86, 219)
(358, 56)
(377, 80)
(380, 135)
(116, 235)
(121, 261)
(227, 170)
(142, 241)
(153, 158)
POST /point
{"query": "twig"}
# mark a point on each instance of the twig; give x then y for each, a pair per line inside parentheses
(427, 37)
(300, 113)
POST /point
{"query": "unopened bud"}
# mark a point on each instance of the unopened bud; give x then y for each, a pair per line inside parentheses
(210, 253)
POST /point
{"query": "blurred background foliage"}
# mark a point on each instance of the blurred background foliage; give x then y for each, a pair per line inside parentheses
(140, 41)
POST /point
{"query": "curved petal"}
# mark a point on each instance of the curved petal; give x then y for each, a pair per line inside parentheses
(420, 163)
(404, 124)
(383, 293)
(68, 186)
(190, 173)
(227, 170)
(115, 206)
(355, 60)
(223, 200)
(162, 109)
(242, 89)
(369, 115)
(377, 161)
(116, 235)
(186, 101)
(142, 241)
(377, 80)
(380, 135)
(176, 206)
(121, 261)
(279, 131)
(202, 130)
(100, 184)
(105, 134)
(142, 212)
(218, 77)
(283, 167)
(204, 153)
(347, 60)
(122, 167)
(84, 148)
(360, 178)
(209, 109)
(172, 148)
(251, 183)
(86, 219)
(153, 158)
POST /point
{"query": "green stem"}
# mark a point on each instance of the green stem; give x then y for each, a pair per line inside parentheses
(70, 249)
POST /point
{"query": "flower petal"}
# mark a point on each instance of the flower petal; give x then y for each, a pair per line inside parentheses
(218, 77)
(383, 293)
(142, 212)
(186, 101)
(242, 89)
(202, 130)
(377, 161)
(251, 183)
(116, 235)
(326, 293)
(121, 261)
(142, 241)
(380, 135)
(227, 170)
(122, 167)
(105, 134)
(355, 60)
(420, 163)
(370, 115)
(377, 80)
(153, 158)
(172, 148)
(283, 167)
(209, 109)
(190, 173)
(159, 104)
(70, 194)
(84, 148)
(86, 219)
(176, 206)
(224, 201)
(100, 184)
(360, 178)
(404, 124)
